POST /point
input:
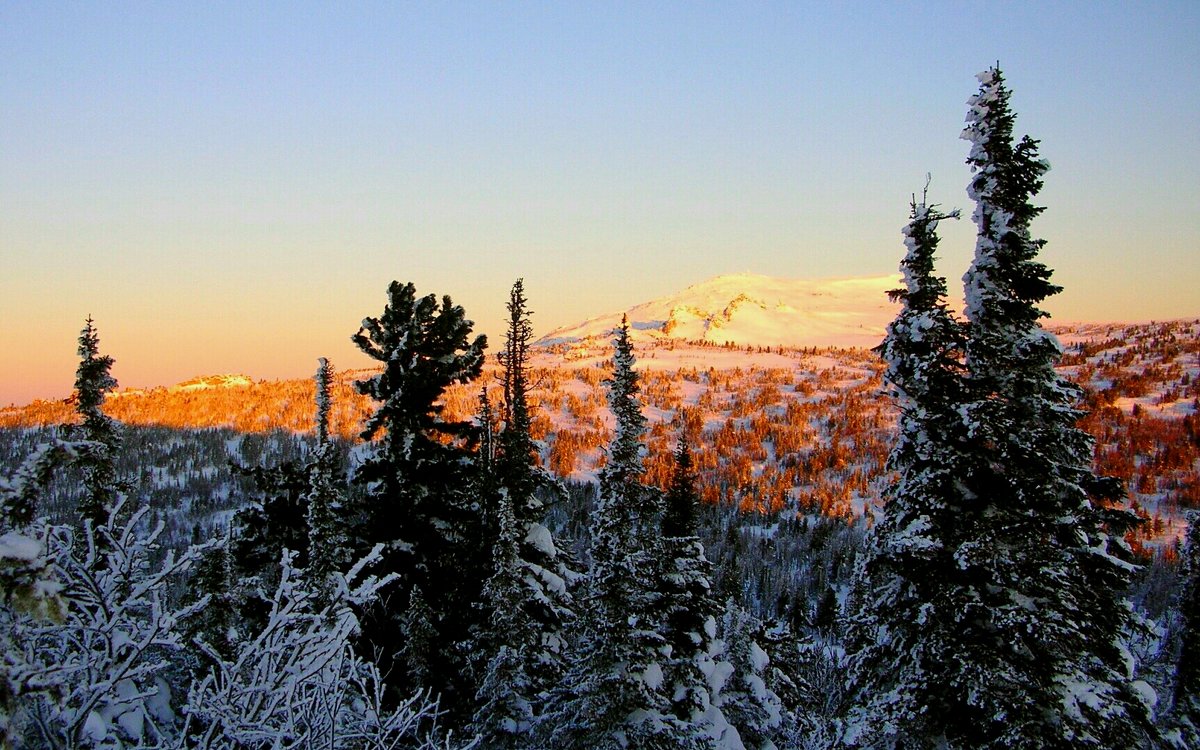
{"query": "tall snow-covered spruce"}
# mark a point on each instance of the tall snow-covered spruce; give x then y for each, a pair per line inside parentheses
(698, 668)
(93, 380)
(528, 595)
(1048, 559)
(324, 502)
(1185, 699)
(995, 608)
(614, 694)
(909, 683)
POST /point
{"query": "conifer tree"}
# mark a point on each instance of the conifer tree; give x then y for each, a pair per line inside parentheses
(1185, 703)
(507, 696)
(274, 521)
(907, 683)
(697, 669)
(327, 551)
(993, 611)
(215, 623)
(528, 598)
(747, 701)
(613, 695)
(93, 379)
(1049, 562)
(418, 490)
(518, 469)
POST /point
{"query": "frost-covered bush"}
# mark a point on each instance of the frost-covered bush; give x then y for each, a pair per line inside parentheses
(92, 677)
(298, 683)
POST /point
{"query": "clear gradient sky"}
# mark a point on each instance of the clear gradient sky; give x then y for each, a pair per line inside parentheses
(229, 187)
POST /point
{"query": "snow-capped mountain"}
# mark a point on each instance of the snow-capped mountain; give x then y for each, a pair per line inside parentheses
(213, 381)
(754, 310)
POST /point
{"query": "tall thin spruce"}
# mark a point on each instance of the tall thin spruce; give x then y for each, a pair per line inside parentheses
(93, 381)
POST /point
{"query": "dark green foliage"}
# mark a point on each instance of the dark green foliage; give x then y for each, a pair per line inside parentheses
(1185, 709)
(508, 693)
(1046, 622)
(991, 599)
(909, 683)
(528, 598)
(613, 695)
(748, 703)
(93, 379)
(214, 623)
(260, 532)
(685, 597)
(324, 501)
(681, 498)
(419, 490)
(517, 469)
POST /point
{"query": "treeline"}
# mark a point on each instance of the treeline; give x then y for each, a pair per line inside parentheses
(818, 432)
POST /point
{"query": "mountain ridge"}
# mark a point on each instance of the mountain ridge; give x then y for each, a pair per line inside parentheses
(746, 309)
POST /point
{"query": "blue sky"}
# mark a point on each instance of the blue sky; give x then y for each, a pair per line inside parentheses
(230, 187)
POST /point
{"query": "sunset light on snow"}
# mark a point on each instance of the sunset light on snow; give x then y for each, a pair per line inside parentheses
(229, 188)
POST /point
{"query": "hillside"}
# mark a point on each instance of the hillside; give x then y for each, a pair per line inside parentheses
(754, 310)
(805, 428)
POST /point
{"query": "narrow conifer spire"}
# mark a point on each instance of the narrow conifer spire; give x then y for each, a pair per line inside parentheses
(680, 517)
(93, 381)
(1048, 629)
(907, 672)
(327, 551)
(615, 695)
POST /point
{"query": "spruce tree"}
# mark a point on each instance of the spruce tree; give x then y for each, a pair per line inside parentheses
(93, 380)
(518, 468)
(507, 695)
(747, 701)
(548, 571)
(1185, 703)
(1047, 617)
(418, 492)
(614, 693)
(992, 597)
(327, 552)
(697, 669)
(909, 685)
(528, 598)
(215, 623)
(273, 521)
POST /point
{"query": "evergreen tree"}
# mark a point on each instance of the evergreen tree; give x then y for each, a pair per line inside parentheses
(276, 520)
(908, 683)
(993, 608)
(613, 695)
(1185, 704)
(418, 490)
(93, 379)
(697, 669)
(747, 700)
(215, 623)
(528, 599)
(507, 694)
(323, 501)
(679, 520)
(1047, 562)
(518, 469)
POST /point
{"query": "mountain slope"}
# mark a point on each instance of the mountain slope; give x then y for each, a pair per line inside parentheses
(755, 310)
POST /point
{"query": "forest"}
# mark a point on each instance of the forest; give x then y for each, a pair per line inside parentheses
(973, 536)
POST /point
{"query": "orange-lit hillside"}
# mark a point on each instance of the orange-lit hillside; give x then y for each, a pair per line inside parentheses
(766, 427)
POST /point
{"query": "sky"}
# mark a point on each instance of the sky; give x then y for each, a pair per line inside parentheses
(230, 187)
